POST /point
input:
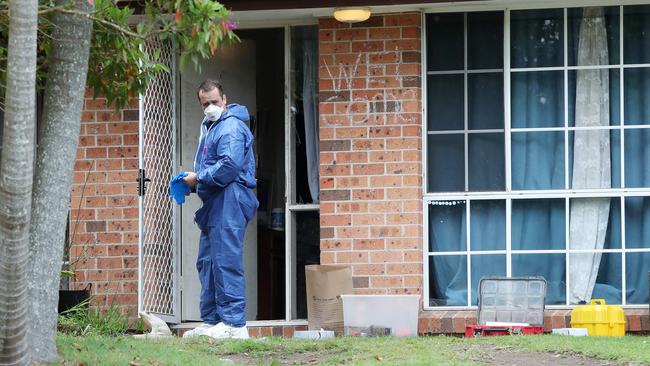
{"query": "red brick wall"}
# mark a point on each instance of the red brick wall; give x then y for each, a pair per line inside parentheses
(370, 151)
(104, 205)
(637, 321)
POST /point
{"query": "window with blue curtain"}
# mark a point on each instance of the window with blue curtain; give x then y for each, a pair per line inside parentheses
(538, 152)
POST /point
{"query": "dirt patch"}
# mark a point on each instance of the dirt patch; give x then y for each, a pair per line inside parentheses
(506, 356)
(278, 358)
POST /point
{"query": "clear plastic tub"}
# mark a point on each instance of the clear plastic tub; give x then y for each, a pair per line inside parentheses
(397, 312)
(511, 299)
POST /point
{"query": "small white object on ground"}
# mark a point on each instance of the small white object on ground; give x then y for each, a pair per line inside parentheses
(313, 334)
(576, 332)
(159, 328)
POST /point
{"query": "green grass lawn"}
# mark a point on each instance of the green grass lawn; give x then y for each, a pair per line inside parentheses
(629, 349)
(124, 350)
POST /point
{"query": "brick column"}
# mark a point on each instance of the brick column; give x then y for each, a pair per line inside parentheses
(104, 205)
(370, 151)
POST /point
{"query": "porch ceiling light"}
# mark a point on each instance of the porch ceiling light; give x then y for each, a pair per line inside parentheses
(352, 14)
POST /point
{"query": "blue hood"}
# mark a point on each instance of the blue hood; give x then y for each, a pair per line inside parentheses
(238, 111)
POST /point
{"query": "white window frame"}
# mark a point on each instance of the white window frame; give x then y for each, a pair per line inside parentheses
(291, 205)
(509, 195)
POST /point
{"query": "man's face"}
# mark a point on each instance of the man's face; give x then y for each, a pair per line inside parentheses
(212, 97)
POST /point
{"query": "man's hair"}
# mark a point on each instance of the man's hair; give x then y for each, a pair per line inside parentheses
(208, 85)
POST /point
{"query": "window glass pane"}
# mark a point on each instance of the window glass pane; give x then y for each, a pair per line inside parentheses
(537, 99)
(637, 96)
(537, 160)
(307, 252)
(593, 34)
(608, 283)
(486, 162)
(446, 163)
(637, 222)
(536, 38)
(447, 226)
(445, 102)
(448, 280)
(589, 223)
(608, 145)
(614, 236)
(637, 158)
(304, 107)
(636, 34)
(485, 101)
(586, 213)
(445, 41)
(612, 77)
(637, 266)
(485, 40)
(486, 266)
(550, 266)
(538, 224)
(488, 225)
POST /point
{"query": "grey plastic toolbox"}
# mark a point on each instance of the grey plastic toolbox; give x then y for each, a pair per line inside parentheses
(511, 299)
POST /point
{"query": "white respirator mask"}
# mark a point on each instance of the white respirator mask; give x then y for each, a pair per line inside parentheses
(213, 112)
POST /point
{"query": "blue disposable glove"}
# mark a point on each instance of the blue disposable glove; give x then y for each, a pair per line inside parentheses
(178, 189)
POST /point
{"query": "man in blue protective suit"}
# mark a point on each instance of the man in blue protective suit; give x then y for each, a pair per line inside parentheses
(224, 179)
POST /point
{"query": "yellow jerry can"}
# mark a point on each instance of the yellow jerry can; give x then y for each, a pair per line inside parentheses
(599, 319)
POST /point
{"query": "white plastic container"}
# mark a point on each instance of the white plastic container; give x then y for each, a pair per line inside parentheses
(313, 334)
(575, 332)
(397, 312)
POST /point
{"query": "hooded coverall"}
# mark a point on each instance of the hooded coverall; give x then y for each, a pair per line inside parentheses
(225, 169)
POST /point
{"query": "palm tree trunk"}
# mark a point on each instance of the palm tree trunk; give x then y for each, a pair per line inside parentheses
(16, 176)
(58, 140)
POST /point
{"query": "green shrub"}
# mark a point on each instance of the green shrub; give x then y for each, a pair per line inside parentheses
(80, 320)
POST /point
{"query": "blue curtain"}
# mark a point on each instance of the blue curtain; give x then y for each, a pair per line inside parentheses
(448, 233)
(538, 157)
(636, 39)
(448, 273)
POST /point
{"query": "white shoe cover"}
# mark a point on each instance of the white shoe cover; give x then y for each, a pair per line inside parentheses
(223, 331)
(198, 331)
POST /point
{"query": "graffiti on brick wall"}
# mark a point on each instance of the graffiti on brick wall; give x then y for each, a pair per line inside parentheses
(368, 91)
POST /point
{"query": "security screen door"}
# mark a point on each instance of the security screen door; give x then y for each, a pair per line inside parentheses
(158, 253)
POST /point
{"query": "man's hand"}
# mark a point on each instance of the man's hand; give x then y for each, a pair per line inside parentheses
(190, 179)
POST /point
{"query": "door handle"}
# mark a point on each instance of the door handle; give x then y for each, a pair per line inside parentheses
(142, 182)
